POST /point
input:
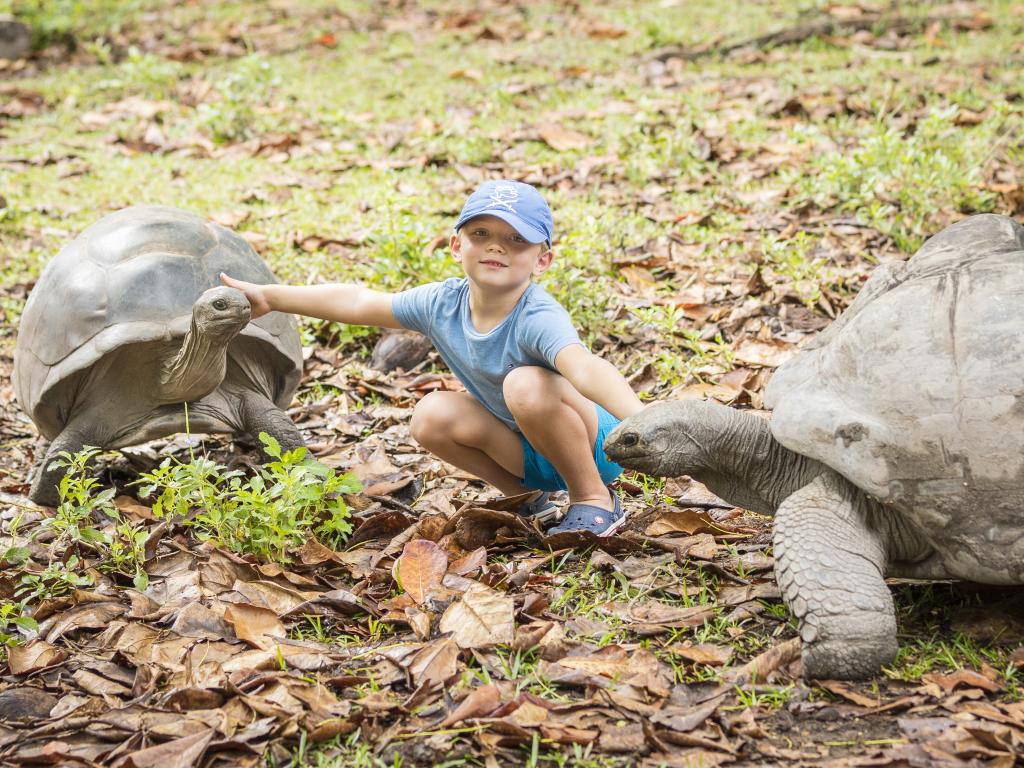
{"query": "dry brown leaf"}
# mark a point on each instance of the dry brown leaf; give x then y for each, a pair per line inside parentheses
(764, 663)
(180, 753)
(843, 690)
(314, 553)
(702, 653)
(435, 664)
(482, 618)
(230, 218)
(657, 613)
(769, 354)
(98, 684)
(274, 597)
(690, 521)
(86, 616)
(130, 507)
(611, 662)
(420, 568)
(683, 720)
(481, 702)
(469, 563)
(562, 139)
(259, 627)
(967, 678)
(33, 656)
(527, 715)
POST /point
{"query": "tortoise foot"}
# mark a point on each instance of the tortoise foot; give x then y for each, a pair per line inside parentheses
(847, 658)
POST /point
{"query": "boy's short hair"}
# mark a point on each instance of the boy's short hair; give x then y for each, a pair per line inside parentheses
(515, 203)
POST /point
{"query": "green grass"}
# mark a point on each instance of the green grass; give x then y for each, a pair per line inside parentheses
(389, 96)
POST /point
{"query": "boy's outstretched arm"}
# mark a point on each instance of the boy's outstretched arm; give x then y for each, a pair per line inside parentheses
(598, 380)
(338, 302)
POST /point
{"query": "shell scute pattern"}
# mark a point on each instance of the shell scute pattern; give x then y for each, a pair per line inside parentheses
(132, 277)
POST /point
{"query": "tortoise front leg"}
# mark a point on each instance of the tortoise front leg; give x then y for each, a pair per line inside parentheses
(830, 565)
(258, 413)
(44, 489)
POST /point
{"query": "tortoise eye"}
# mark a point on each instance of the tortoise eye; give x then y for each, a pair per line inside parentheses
(220, 304)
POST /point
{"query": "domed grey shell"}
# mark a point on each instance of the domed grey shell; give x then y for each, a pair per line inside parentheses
(916, 393)
(133, 277)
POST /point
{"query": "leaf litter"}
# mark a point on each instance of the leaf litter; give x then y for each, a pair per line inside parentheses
(448, 626)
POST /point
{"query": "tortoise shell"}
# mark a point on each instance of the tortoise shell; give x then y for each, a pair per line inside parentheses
(131, 278)
(916, 393)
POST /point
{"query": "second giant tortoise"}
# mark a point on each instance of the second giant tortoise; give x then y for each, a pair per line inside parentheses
(896, 445)
(129, 323)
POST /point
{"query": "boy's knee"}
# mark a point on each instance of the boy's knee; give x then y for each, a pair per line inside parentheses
(527, 388)
(432, 416)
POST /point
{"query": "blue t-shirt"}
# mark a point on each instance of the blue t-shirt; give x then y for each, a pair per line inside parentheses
(533, 333)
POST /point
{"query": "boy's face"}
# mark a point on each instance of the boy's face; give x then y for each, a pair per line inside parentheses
(495, 255)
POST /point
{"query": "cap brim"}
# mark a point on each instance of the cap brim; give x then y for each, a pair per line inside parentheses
(532, 234)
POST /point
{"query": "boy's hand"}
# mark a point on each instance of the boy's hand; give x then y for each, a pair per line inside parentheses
(255, 293)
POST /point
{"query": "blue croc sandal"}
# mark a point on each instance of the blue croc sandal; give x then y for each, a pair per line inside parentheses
(587, 517)
(542, 509)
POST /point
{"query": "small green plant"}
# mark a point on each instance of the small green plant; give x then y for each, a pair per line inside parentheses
(88, 518)
(684, 354)
(247, 87)
(14, 554)
(769, 697)
(264, 515)
(898, 180)
(80, 504)
(401, 257)
(797, 263)
(139, 72)
(13, 622)
(57, 579)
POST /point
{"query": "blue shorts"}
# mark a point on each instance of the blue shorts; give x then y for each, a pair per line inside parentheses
(541, 475)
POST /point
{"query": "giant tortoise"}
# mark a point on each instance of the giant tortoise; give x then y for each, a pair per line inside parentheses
(896, 446)
(129, 336)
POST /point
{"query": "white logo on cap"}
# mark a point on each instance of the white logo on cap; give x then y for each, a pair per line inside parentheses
(503, 196)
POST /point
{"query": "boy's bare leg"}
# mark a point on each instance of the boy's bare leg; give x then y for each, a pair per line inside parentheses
(561, 424)
(455, 427)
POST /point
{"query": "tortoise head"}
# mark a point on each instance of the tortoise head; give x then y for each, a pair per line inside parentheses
(669, 439)
(220, 313)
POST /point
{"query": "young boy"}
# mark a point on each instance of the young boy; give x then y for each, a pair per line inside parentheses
(538, 404)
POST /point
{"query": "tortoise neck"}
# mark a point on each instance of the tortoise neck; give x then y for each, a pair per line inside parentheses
(749, 467)
(198, 367)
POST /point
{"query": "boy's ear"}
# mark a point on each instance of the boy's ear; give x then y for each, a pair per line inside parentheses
(455, 245)
(543, 262)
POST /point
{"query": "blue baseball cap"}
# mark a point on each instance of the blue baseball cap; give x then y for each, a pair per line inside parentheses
(515, 203)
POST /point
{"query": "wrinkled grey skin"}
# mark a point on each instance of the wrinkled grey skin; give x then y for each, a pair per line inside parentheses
(895, 446)
(128, 324)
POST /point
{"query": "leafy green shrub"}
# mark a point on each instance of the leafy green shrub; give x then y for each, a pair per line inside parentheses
(264, 515)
